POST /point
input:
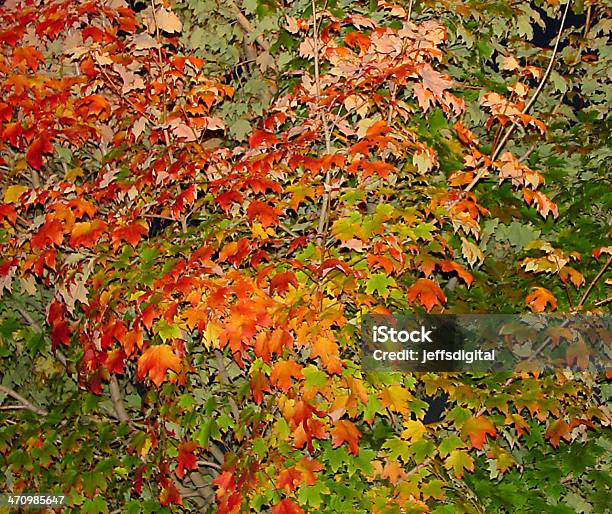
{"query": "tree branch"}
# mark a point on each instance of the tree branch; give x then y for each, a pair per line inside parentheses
(117, 401)
(594, 281)
(527, 107)
(226, 381)
(246, 25)
(26, 404)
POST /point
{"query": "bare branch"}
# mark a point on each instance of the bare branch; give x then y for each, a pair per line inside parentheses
(27, 404)
(117, 401)
(527, 107)
(247, 26)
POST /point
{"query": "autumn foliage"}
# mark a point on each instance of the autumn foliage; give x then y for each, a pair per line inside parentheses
(204, 301)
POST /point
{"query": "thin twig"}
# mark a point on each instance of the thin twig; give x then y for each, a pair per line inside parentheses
(525, 110)
(594, 281)
(409, 9)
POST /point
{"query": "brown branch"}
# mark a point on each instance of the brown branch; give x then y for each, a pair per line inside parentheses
(594, 281)
(247, 26)
(525, 110)
(26, 404)
(580, 304)
(117, 401)
(226, 381)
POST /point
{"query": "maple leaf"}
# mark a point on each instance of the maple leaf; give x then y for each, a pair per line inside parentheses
(287, 506)
(558, 429)
(41, 145)
(259, 386)
(281, 374)
(225, 199)
(170, 495)
(477, 428)
(8, 212)
(459, 460)
(52, 231)
(162, 19)
(539, 298)
(156, 361)
(289, 479)
(280, 282)
(345, 431)
(186, 458)
(264, 212)
(309, 467)
(262, 138)
(27, 57)
(428, 293)
(130, 233)
(86, 233)
(395, 398)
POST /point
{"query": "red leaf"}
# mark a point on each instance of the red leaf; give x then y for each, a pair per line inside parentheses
(186, 458)
(262, 138)
(41, 145)
(155, 361)
(280, 282)
(225, 199)
(346, 431)
(7, 211)
(428, 293)
(51, 231)
(130, 233)
(170, 494)
(287, 506)
(264, 212)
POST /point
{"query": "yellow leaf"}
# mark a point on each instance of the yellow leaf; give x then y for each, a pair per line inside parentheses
(414, 431)
(210, 337)
(396, 398)
(12, 193)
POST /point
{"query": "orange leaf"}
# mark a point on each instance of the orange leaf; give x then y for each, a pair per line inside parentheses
(346, 431)
(289, 479)
(265, 213)
(557, 430)
(130, 233)
(27, 57)
(477, 428)
(156, 360)
(538, 299)
(86, 233)
(282, 372)
(428, 293)
(287, 506)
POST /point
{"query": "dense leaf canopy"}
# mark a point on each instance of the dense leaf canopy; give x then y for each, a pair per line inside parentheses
(200, 202)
